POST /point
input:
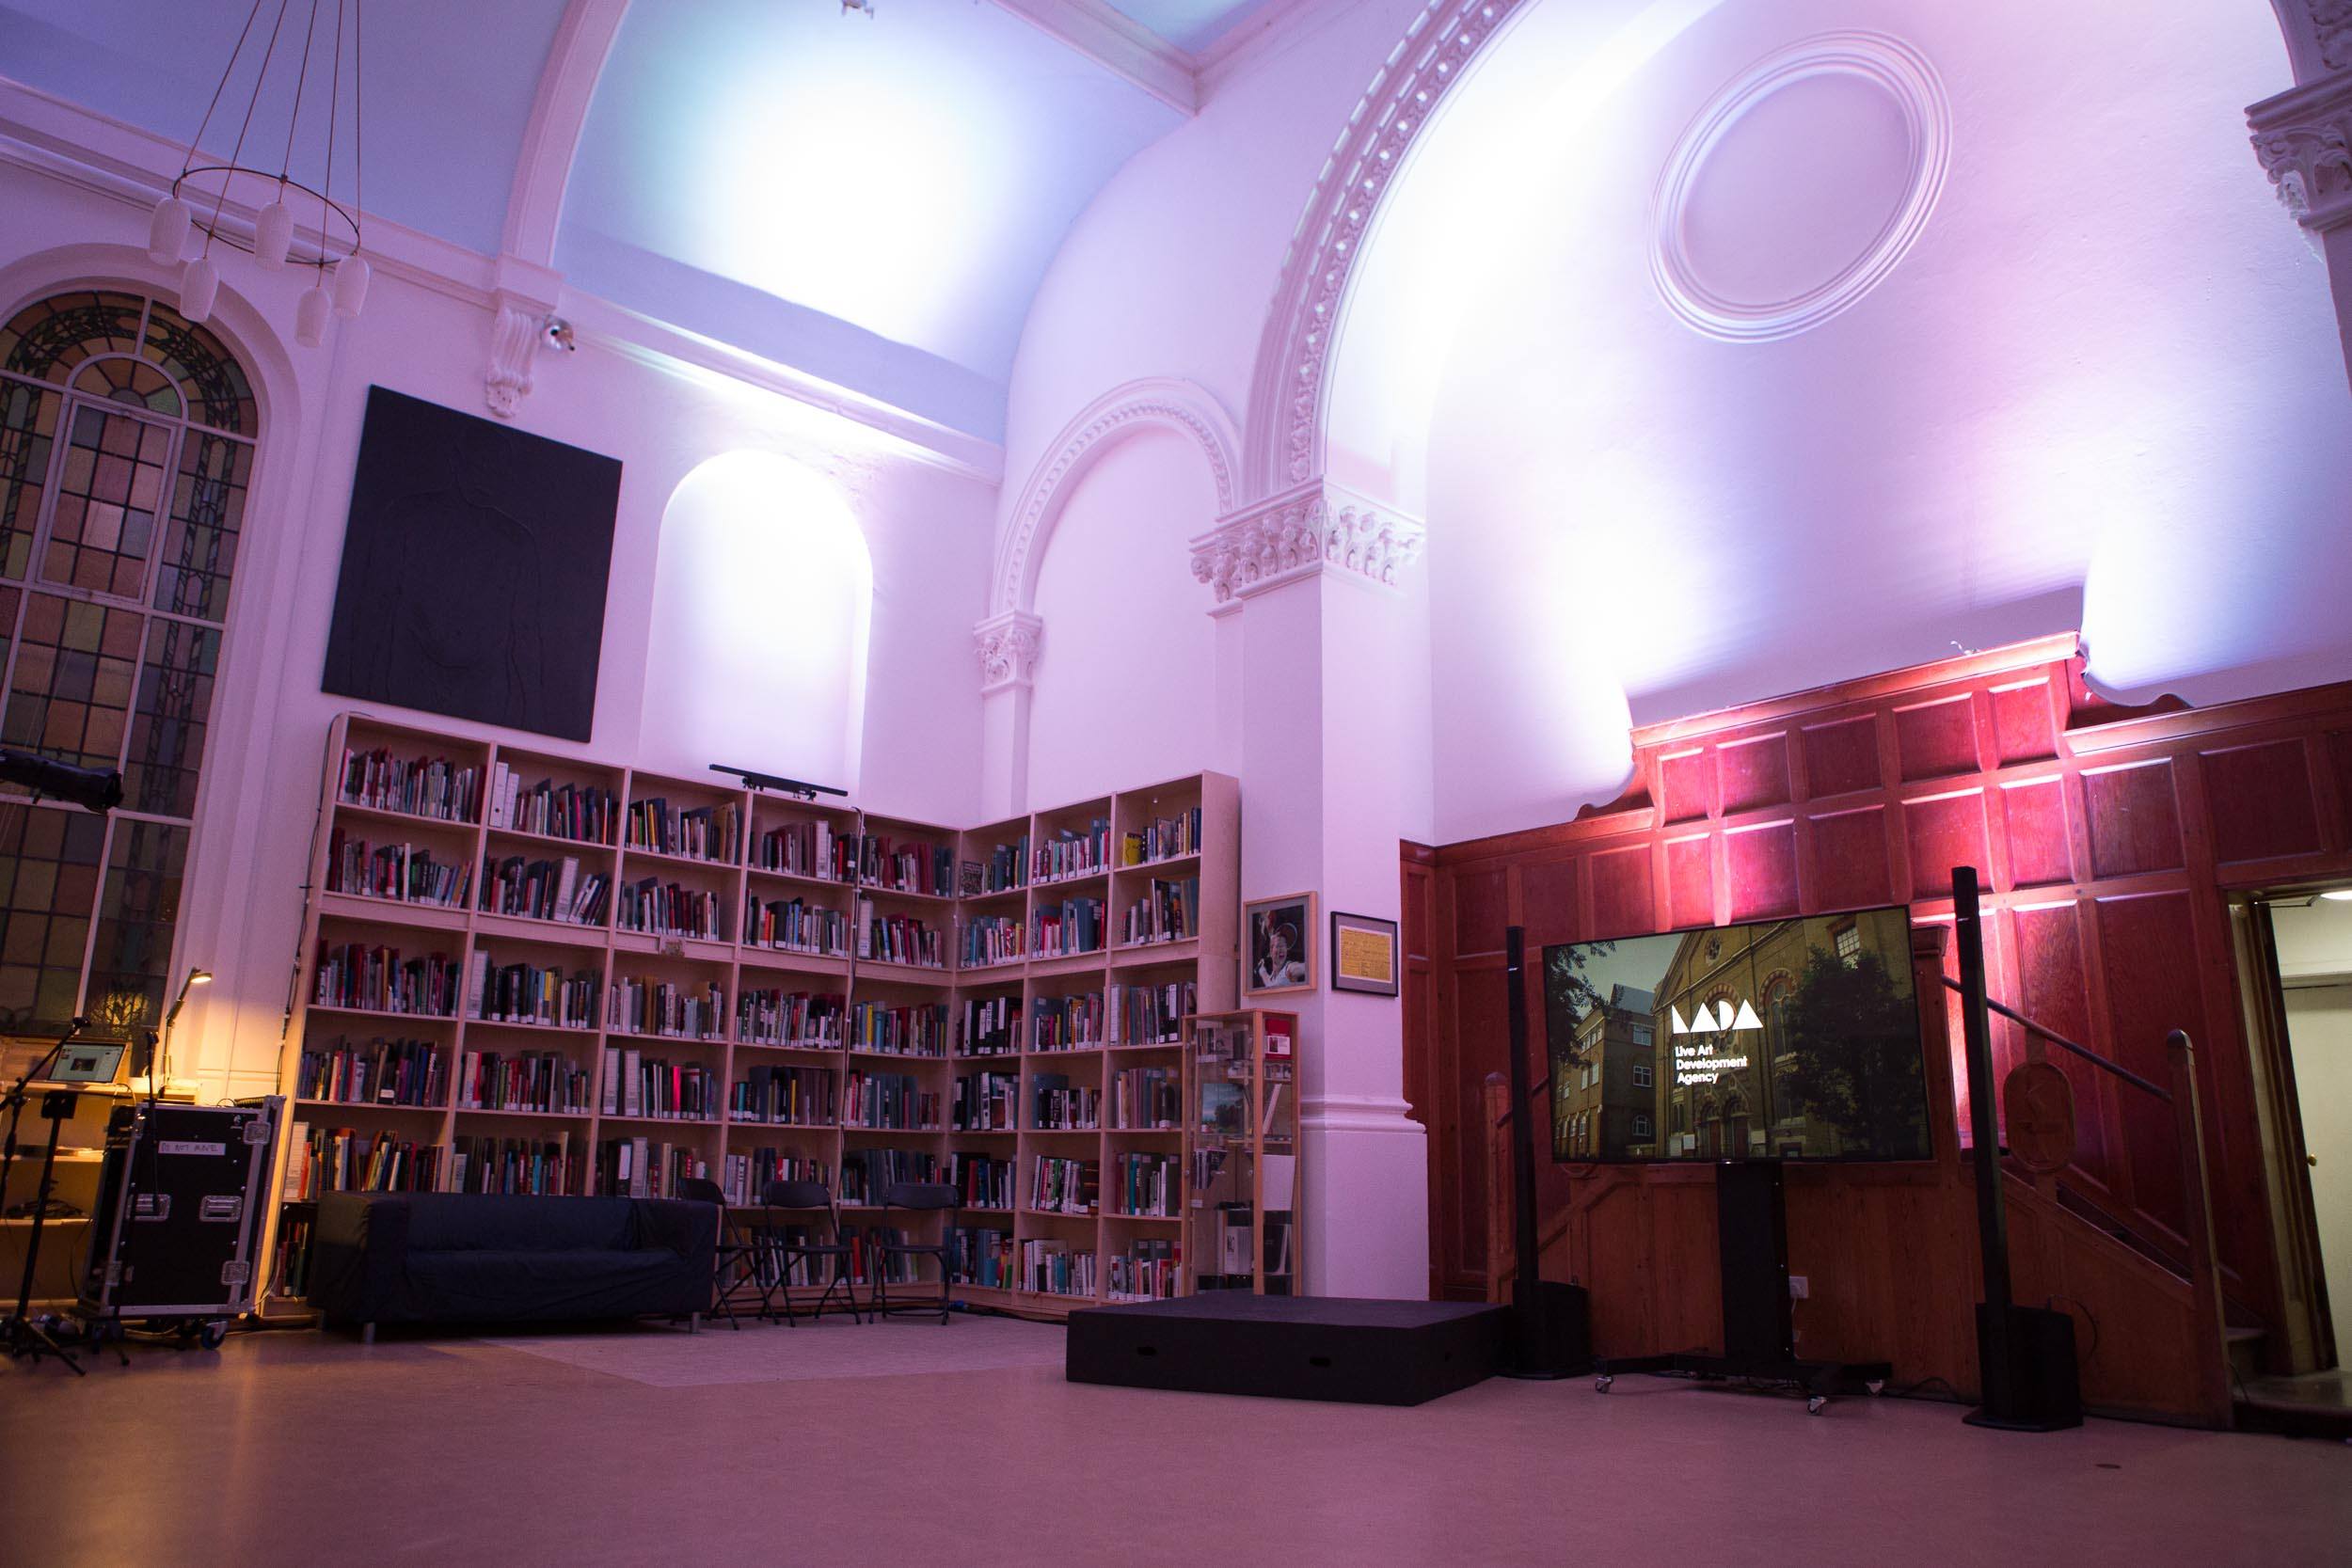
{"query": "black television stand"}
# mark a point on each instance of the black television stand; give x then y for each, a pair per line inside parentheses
(1759, 1336)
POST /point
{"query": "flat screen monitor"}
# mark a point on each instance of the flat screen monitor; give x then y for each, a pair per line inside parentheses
(84, 1062)
(1771, 1039)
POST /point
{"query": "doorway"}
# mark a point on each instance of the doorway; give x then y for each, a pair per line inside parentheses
(2309, 962)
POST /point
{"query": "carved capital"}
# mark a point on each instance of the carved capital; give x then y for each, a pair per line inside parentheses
(515, 338)
(1316, 529)
(1009, 646)
(2304, 140)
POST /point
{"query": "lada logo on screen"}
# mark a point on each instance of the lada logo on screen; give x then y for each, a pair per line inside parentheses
(1721, 1019)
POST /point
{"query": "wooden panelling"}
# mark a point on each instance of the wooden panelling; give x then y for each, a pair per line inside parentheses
(2052, 987)
(2033, 814)
(1935, 741)
(1850, 869)
(1685, 786)
(2135, 820)
(1690, 881)
(1943, 830)
(1842, 756)
(1754, 774)
(2339, 750)
(1762, 865)
(2147, 946)
(2021, 724)
(2271, 812)
(1622, 902)
(1547, 902)
(1482, 912)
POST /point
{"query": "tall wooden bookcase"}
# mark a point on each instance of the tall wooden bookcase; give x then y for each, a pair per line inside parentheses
(1064, 1026)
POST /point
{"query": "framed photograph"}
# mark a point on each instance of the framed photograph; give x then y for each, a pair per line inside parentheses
(1363, 954)
(1281, 954)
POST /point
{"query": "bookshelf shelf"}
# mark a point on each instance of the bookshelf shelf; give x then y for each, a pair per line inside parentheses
(772, 847)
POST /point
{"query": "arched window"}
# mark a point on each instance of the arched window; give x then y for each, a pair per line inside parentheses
(1776, 1017)
(126, 448)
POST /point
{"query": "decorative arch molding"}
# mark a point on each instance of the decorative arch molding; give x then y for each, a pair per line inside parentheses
(1161, 403)
(1289, 394)
(542, 169)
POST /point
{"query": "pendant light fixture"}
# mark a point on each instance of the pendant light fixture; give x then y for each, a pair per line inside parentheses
(196, 210)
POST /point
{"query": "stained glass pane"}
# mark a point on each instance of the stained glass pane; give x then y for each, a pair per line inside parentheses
(28, 429)
(71, 694)
(175, 701)
(110, 493)
(130, 964)
(207, 517)
(132, 382)
(49, 341)
(218, 393)
(48, 890)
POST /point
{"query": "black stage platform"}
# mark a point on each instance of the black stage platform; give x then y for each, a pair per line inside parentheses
(1345, 1348)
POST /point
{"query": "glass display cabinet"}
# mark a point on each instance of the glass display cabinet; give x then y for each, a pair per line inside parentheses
(1241, 1152)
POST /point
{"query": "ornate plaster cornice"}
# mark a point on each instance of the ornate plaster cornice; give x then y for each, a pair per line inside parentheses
(1316, 529)
(2304, 140)
(1163, 401)
(1288, 391)
(1009, 644)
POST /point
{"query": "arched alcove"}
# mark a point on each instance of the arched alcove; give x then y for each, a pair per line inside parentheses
(762, 604)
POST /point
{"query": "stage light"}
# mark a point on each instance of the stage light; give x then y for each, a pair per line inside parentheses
(96, 789)
(2338, 895)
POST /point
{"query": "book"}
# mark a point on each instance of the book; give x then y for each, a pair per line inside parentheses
(433, 787)
(807, 1019)
(912, 1031)
(378, 1072)
(991, 1026)
(375, 978)
(1072, 853)
(397, 873)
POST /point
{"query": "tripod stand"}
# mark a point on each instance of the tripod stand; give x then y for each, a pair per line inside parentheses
(24, 1335)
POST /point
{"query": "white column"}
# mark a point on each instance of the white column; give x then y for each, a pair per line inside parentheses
(1008, 646)
(1313, 573)
(2304, 139)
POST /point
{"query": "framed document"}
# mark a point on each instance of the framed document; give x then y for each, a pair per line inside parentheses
(1363, 954)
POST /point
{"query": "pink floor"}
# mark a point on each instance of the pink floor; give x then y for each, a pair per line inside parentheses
(907, 1442)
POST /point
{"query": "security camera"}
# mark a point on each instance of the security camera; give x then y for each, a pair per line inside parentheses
(559, 334)
(866, 6)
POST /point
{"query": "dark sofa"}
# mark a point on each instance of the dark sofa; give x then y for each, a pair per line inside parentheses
(452, 1257)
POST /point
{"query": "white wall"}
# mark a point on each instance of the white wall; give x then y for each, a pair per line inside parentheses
(2319, 1029)
(1124, 689)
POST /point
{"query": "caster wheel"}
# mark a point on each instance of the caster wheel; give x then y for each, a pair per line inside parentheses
(1815, 1405)
(1600, 1385)
(211, 1334)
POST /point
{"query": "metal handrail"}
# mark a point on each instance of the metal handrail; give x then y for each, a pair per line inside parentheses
(2085, 1052)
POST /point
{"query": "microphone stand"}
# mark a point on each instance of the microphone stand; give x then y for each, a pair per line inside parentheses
(24, 1335)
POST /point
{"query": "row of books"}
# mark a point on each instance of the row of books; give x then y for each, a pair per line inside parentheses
(1060, 930)
(981, 1180)
(1147, 1097)
(421, 787)
(985, 1103)
(1052, 1267)
(663, 1007)
(744, 1177)
(400, 873)
(868, 1174)
(638, 1086)
(646, 1167)
(1061, 1187)
(525, 993)
(1163, 838)
(1007, 866)
(1056, 1105)
(790, 1018)
(1068, 1022)
(380, 1072)
(797, 925)
(1070, 853)
(376, 978)
(545, 1080)
(916, 1031)
(1150, 1270)
(656, 908)
(904, 867)
(979, 1254)
(1151, 1185)
(898, 939)
(991, 939)
(697, 833)
(546, 890)
(1152, 1015)
(891, 1102)
(1167, 911)
(538, 1168)
(581, 813)
(806, 849)
(992, 1026)
(345, 1160)
(787, 1096)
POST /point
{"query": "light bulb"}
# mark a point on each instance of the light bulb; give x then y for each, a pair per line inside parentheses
(351, 285)
(199, 284)
(273, 235)
(167, 231)
(310, 316)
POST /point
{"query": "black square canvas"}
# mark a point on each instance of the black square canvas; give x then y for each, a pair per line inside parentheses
(474, 570)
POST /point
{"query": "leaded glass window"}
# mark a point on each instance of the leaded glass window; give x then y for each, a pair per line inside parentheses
(126, 450)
